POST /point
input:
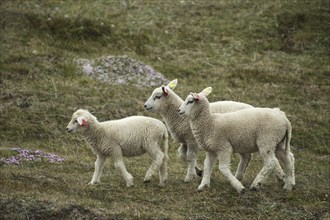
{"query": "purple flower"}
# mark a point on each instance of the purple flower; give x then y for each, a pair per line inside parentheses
(12, 160)
(37, 152)
(27, 155)
(53, 158)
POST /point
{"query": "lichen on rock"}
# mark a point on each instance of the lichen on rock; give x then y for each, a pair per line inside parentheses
(121, 70)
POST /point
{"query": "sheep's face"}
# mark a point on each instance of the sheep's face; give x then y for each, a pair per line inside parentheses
(187, 105)
(155, 100)
(79, 121)
(154, 103)
(192, 100)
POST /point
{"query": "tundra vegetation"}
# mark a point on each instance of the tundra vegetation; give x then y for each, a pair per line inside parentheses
(266, 53)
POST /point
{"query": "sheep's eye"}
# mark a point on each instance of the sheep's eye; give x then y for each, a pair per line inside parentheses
(75, 121)
(157, 97)
(190, 101)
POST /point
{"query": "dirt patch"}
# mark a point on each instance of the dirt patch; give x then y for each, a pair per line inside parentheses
(121, 70)
(23, 209)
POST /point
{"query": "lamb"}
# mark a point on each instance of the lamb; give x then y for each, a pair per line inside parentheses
(165, 101)
(245, 131)
(127, 137)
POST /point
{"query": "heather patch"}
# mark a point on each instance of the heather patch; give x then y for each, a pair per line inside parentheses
(121, 70)
(17, 156)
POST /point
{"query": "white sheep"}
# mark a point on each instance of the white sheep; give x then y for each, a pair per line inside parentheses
(128, 137)
(165, 101)
(245, 131)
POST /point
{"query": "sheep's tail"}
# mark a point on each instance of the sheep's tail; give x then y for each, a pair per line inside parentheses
(288, 145)
(288, 137)
(288, 131)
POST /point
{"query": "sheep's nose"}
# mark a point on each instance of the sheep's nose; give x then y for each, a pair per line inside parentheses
(68, 130)
(145, 106)
(180, 112)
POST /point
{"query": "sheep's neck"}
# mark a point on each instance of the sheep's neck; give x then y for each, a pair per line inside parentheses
(170, 112)
(173, 120)
(201, 125)
(93, 134)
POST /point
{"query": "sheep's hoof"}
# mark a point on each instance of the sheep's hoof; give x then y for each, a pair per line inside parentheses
(281, 181)
(129, 184)
(188, 179)
(288, 187)
(202, 187)
(199, 172)
(255, 187)
(241, 191)
(93, 183)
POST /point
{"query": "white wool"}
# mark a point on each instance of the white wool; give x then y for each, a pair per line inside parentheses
(167, 102)
(245, 131)
(128, 137)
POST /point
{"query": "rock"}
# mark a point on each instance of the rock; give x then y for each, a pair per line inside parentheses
(121, 70)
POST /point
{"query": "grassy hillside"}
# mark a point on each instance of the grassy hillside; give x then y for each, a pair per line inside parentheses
(262, 52)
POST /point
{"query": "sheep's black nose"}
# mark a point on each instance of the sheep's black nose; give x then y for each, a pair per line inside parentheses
(145, 106)
(178, 110)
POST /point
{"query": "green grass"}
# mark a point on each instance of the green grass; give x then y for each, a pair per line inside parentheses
(265, 53)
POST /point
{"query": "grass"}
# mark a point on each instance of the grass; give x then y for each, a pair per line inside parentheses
(266, 53)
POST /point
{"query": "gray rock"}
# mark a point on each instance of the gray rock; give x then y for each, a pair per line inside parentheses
(121, 70)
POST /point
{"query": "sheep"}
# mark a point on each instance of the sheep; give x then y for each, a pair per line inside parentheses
(167, 102)
(245, 131)
(127, 137)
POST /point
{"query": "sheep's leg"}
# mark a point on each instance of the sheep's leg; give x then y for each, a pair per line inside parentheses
(224, 167)
(209, 162)
(198, 170)
(183, 152)
(158, 157)
(291, 182)
(243, 163)
(119, 164)
(280, 176)
(287, 159)
(269, 164)
(163, 172)
(192, 160)
(100, 159)
(278, 169)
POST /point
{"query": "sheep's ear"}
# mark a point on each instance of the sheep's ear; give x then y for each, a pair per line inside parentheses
(172, 84)
(82, 121)
(206, 91)
(165, 90)
(195, 95)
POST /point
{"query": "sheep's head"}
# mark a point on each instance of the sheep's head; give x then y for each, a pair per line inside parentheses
(157, 96)
(79, 121)
(193, 99)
